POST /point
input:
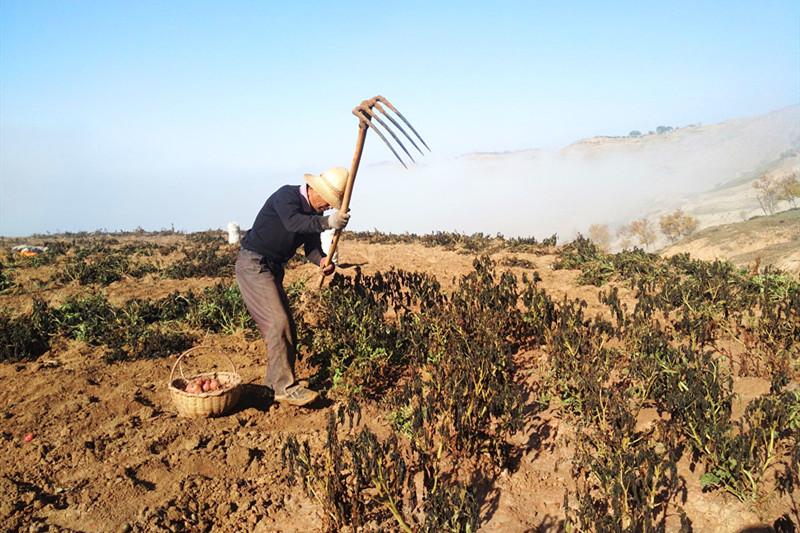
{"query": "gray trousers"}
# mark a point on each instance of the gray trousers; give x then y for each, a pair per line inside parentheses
(263, 294)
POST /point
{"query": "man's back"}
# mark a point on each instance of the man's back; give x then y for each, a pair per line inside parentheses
(284, 223)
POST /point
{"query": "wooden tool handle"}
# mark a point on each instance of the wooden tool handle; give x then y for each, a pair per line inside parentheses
(348, 191)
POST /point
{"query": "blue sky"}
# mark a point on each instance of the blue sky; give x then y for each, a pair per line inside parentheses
(123, 114)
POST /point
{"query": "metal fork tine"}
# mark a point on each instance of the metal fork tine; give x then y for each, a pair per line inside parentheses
(365, 117)
(399, 114)
(387, 128)
(399, 127)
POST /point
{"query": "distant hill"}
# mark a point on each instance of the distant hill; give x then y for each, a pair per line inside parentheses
(705, 169)
(771, 240)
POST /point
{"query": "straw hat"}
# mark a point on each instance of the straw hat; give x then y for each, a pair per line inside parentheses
(330, 184)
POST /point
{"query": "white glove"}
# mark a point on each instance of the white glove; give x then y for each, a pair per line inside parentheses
(338, 220)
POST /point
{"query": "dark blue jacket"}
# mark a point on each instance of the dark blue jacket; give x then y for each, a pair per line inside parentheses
(284, 223)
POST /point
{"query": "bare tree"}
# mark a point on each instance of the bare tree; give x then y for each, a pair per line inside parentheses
(689, 225)
(600, 235)
(768, 193)
(677, 224)
(624, 236)
(643, 231)
(789, 188)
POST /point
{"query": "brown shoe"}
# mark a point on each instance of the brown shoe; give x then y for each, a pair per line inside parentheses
(297, 395)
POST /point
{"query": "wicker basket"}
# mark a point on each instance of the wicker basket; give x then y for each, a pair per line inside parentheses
(204, 404)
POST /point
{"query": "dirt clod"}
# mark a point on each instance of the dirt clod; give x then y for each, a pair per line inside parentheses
(191, 443)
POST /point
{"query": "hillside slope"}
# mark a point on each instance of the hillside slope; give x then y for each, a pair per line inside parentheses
(768, 240)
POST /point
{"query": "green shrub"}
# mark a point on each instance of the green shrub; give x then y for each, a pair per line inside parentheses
(596, 267)
(89, 317)
(207, 259)
(363, 480)
(220, 308)
(100, 268)
(6, 279)
(463, 389)
(26, 336)
(740, 458)
(139, 329)
(147, 342)
(625, 480)
(353, 342)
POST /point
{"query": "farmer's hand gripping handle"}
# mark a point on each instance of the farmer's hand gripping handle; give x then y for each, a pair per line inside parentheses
(338, 220)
